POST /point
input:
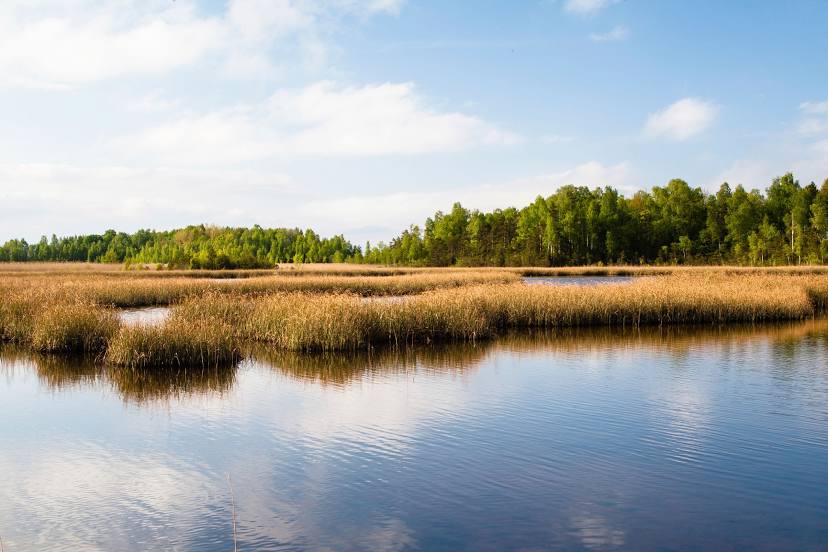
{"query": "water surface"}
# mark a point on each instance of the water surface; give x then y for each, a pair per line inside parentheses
(144, 316)
(674, 440)
(576, 280)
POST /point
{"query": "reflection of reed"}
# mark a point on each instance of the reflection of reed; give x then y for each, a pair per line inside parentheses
(343, 368)
(55, 372)
(60, 372)
(142, 386)
(675, 339)
(339, 368)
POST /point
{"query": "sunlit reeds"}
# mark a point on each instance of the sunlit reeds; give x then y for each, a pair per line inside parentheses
(73, 328)
(175, 343)
(212, 318)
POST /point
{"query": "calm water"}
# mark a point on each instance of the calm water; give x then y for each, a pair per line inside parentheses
(691, 440)
(576, 280)
(146, 316)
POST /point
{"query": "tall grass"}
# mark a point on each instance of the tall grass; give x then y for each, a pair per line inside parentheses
(144, 292)
(211, 320)
(309, 322)
(175, 343)
(302, 321)
(73, 328)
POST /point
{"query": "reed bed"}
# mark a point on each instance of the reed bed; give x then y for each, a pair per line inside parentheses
(211, 320)
(143, 292)
(329, 322)
(73, 328)
(177, 343)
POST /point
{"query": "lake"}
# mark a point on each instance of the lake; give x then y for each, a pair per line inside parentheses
(681, 439)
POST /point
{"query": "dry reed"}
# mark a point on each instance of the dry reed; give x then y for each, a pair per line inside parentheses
(313, 312)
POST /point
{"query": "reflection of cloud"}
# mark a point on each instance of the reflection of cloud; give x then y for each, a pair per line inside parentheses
(390, 535)
(596, 532)
(62, 493)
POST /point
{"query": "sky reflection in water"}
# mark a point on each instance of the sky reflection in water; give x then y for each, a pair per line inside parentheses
(589, 439)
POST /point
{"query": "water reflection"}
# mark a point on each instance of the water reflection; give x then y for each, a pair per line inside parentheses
(577, 280)
(144, 316)
(788, 340)
(578, 439)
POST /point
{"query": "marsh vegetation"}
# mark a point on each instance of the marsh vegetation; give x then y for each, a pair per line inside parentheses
(671, 224)
(71, 310)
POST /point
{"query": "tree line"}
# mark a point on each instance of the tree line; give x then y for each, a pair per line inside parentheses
(191, 247)
(675, 224)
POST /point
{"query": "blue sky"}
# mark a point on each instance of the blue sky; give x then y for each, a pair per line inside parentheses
(364, 116)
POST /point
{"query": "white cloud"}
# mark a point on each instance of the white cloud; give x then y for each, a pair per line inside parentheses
(320, 119)
(618, 33)
(750, 173)
(60, 45)
(683, 119)
(815, 108)
(392, 212)
(44, 198)
(83, 42)
(587, 7)
(813, 126)
(66, 200)
(152, 102)
(556, 139)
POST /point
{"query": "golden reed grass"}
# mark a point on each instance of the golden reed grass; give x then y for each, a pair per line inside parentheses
(144, 292)
(174, 344)
(312, 312)
(329, 322)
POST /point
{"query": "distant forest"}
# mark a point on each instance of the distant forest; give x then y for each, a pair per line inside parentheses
(673, 224)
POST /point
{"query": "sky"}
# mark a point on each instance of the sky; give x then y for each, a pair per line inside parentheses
(362, 117)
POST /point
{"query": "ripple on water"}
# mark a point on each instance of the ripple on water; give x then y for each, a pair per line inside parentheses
(573, 441)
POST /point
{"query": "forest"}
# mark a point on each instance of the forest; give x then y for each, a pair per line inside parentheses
(671, 224)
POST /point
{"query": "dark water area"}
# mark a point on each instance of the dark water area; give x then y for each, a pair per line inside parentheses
(687, 439)
(576, 280)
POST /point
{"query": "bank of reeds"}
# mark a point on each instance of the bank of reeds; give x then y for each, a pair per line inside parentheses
(177, 343)
(211, 320)
(327, 322)
(73, 328)
(144, 292)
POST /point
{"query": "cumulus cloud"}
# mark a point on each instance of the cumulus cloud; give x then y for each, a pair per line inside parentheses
(320, 119)
(63, 45)
(393, 211)
(815, 120)
(152, 102)
(618, 33)
(815, 108)
(587, 7)
(45, 198)
(56, 44)
(681, 120)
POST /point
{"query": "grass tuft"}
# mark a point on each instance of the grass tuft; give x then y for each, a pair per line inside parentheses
(73, 328)
(175, 343)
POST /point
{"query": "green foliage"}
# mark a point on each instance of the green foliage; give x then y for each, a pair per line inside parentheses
(673, 224)
(191, 247)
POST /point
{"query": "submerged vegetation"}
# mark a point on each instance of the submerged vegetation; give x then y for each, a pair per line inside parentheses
(213, 320)
(671, 224)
